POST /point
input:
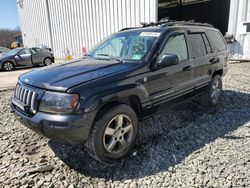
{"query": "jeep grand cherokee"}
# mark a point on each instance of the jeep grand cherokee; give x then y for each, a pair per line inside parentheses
(99, 100)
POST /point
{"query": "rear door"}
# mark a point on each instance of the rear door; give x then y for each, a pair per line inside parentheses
(220, 52)
(173, 81)
(37, 56)
(201, 54)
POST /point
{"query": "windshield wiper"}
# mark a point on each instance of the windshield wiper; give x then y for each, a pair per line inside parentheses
(111, 57)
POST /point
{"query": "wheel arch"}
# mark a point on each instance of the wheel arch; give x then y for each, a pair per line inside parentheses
(47, 57)
(218, 72)
(133, 101)
(14, 64)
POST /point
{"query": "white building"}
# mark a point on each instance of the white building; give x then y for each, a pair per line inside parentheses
(70, 25)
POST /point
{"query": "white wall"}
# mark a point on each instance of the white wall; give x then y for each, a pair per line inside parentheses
(34, 23)
(80, 23)
(239, 13)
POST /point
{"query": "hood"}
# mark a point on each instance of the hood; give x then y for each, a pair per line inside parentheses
(61, 77)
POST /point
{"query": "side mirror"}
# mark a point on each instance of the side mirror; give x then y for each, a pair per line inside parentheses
(167, 60)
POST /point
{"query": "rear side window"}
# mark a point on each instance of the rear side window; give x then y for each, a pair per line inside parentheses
(37, 50)
(198, 45)
(176, 45)
(217, 41)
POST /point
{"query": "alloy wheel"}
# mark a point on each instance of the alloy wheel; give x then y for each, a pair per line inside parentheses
(8, 66)
(47, 62)
(216, 90)
(118, 134)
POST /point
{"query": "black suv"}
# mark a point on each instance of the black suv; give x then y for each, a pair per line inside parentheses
(99, 100)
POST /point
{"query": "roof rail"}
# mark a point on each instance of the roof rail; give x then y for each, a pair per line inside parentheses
(166, 22)
(128, 28)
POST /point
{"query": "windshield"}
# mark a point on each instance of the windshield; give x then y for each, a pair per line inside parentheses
(12, 52)
(132, 46)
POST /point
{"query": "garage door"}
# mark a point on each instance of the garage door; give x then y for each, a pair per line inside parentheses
(215, 12)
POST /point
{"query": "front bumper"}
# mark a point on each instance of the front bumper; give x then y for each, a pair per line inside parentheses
(73, 129)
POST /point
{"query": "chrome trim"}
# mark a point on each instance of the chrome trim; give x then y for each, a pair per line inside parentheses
(32, 105)
(22, 92)
(27, 97)
(164, 94)
(24, 96)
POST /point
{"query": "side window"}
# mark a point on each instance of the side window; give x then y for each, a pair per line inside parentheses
(25, 51)
(198, 45)
(208, 47)
(36, 50)
(176, 45)
(218, 43)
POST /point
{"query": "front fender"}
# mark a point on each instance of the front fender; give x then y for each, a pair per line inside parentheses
(119, 94)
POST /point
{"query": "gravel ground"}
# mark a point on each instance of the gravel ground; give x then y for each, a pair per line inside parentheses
(188, 146)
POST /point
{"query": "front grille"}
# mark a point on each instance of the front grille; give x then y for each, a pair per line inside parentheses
(27, 97)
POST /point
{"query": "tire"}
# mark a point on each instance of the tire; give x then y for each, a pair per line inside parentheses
(212, 97)
(8, 66)
(113, 134)
(47, 61)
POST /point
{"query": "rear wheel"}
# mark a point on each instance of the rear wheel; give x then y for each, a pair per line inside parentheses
(8, 66)
(113, 134)
(47, 61)
(212, 97)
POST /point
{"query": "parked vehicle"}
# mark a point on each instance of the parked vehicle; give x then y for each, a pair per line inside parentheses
(3, 51)
(25, 57)
(133, 74)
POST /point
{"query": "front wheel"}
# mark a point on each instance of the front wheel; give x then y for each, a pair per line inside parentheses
(8, 66)
(113, 134)
(212, 97)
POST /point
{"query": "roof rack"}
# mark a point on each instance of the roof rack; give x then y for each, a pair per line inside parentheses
(128, 28)
(166, 22)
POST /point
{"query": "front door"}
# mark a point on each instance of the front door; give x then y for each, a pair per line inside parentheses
(23, 58)
(175, 80)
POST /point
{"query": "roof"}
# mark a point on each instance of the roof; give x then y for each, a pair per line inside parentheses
(165, 24)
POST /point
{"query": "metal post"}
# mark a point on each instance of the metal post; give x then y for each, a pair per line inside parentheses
(156, 10)
(233, 17)
(49, 25)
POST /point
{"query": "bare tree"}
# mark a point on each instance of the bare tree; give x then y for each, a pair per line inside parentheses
(7, 36)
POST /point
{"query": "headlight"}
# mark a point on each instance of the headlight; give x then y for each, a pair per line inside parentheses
(58, 103)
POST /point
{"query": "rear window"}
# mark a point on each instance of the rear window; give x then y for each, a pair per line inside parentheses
(217, 41)
(198, 45)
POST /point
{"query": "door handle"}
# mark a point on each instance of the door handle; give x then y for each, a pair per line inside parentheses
(214, 60)
(187, 68)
